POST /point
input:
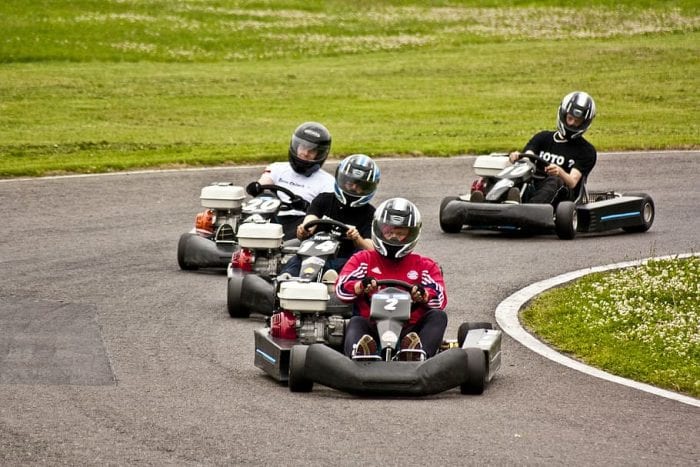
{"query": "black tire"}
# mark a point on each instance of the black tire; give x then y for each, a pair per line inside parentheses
(233, 297)
(448, 227)
(182, 253)
(464, 328)
(297, 360)
(566, 220)
(647, 212)
(476, 364)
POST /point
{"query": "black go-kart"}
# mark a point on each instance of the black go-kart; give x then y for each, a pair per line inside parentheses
(214, 237)
(255, 265)
(591, 211)
(293, 350)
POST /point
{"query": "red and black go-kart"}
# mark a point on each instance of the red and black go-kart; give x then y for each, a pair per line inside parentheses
(592, 211)
(303, 345)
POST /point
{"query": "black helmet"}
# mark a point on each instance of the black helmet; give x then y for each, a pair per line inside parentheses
(396, 228)
(356, 180)
(312, 138)
(580, 105)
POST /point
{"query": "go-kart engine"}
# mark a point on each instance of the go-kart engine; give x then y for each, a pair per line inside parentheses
(312, 329)
(266, 266)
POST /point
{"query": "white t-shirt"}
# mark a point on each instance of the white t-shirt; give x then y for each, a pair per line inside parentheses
(308, 188)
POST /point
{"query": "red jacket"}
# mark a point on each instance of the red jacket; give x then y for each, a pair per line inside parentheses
(412, 268)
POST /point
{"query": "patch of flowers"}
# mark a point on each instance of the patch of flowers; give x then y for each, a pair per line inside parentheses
(657, 303)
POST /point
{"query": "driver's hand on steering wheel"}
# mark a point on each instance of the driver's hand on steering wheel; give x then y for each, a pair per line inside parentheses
(553, 170)
(514, 156)
(368, 285)
(418, 294)
(303, 233)
(353, 234)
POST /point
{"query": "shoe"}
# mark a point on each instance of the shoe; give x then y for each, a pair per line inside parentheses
(411, 348)
(329, 277)
(513, 196)
(365, 349)
(477, 196)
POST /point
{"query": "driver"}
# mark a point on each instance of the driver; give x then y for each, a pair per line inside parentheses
(571, 158)
(356, 181)
(395, 231)
(308, 150)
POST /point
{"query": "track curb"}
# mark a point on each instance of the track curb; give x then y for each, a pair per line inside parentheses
(507, 318)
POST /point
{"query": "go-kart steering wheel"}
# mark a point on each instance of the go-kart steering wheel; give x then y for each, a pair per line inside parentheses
(329, 222)
(540, 163)
(293, 198)
(396, 283)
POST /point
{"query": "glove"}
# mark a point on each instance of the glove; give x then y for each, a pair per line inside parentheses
(300, 204)
(253, 189)
(419, 293)
(367, 281)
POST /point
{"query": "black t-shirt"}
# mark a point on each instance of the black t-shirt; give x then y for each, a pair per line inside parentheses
(577, 152)
(326, 204)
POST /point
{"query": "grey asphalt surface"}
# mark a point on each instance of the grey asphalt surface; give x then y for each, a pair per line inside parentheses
(109, 354)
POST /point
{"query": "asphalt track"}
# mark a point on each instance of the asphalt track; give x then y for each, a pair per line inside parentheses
(109, 354)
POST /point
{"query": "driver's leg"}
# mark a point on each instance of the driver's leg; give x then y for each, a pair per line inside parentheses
(546, 190)
(356, 328)
(430, 329)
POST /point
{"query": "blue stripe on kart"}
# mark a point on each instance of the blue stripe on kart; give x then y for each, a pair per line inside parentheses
(266, 356)
(623, 215)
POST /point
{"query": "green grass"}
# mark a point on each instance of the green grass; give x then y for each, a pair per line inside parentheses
(641, 323)
(91, 86)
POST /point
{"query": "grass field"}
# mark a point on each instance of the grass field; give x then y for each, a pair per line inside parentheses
(91, 86)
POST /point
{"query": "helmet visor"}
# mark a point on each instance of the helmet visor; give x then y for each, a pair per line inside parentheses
(307, 150)
(351, 185)
(397, 235)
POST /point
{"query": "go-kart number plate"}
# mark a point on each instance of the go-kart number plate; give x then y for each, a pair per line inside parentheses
(391, 305)
(261, 205)
(312, 248)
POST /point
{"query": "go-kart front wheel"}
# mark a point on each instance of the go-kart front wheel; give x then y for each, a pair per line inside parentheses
(235, 306)
(448, 226)
(566, 220)
(476, 365)
(297, 360)
(182, 256)
(646, 212)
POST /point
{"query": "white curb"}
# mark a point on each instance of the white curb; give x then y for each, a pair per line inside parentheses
(507, 318)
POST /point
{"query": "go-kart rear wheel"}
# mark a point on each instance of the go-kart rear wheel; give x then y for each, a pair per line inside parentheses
(234, 289)
(565, 220)
(647, 213)
(476, 365)
(297, 360)
(448, 227)
(464, 328)
(182, 259)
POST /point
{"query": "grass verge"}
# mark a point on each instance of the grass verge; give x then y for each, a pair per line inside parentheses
(641, 323)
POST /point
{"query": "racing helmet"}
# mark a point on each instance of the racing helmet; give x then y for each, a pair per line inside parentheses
(356, 180)
(396, 227)
(309, 148)
(580, 105)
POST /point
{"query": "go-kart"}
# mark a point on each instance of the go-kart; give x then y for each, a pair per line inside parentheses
(252, 273)
(214, 237)
(591, 211)
(302, 359)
